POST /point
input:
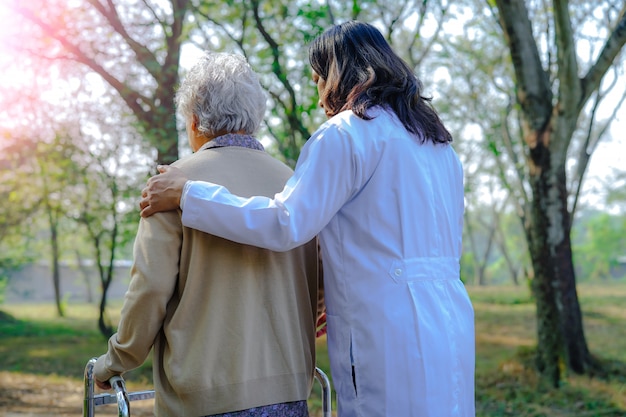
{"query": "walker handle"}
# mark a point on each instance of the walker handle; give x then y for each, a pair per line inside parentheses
(326, 393)
(90, 401)
(123, 404)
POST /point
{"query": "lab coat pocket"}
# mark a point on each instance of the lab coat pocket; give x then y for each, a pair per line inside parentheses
(340, 354)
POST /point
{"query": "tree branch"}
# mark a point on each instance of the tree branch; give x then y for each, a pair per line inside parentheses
(431, 42)
(237, 40)
(133, 99)
(517, 164)
(612, 47)
(294, 120)
(144, 55)
(584, 156)
(569, 85)
(534, 94)
(155, 15)
(331, 16)
(169, 69)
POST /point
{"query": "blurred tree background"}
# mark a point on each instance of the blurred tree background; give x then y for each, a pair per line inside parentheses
(530, 90)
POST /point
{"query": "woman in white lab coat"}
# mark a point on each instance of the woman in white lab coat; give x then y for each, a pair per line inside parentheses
(382, 187)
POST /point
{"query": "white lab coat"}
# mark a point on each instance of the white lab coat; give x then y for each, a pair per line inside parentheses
(389, 213)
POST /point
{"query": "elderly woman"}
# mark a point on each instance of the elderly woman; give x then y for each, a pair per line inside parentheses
(232, 325)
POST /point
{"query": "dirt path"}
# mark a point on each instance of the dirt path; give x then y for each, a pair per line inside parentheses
(26, 395)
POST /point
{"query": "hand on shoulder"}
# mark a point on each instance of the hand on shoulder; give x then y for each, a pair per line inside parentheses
(162, 191)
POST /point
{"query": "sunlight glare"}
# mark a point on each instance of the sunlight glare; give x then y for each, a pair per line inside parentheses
(13, 74)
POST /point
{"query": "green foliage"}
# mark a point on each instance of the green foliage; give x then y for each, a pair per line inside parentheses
(493, 148)
(13, 255)
(507, 259)
(273, 36)
(467, 267)
(316, 16)
(19, 198)
(616, 188)
(8, 264)
(599, 242)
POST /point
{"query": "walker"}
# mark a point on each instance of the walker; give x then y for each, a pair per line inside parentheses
(123, 398)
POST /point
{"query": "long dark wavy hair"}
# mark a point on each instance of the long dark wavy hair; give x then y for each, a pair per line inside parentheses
(361, 71)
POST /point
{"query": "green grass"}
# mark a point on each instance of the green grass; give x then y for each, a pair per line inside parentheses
(34, 341)
(506, 383)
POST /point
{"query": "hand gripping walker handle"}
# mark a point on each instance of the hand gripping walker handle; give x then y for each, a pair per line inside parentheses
(90, 401)
(123, 403)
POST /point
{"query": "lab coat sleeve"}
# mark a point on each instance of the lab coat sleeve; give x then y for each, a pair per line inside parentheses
(323, 180)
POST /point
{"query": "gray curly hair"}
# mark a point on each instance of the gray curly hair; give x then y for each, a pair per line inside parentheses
(224, 93)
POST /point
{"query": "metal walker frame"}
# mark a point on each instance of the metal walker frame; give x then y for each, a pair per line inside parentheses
(123, 398)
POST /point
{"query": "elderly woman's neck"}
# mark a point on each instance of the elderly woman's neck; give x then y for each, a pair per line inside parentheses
(224, 132)
(202, 139)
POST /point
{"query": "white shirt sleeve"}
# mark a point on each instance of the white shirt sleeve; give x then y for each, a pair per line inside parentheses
(184, 193)
(323, 181)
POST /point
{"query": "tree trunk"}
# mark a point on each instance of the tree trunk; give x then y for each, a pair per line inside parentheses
(479, 261)
(501, 241)
(577, 355)
(161, 130)
(105, 328)
(544, 285)
(160, 123)
(56, 273)
(106, 274)
(559, 320)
